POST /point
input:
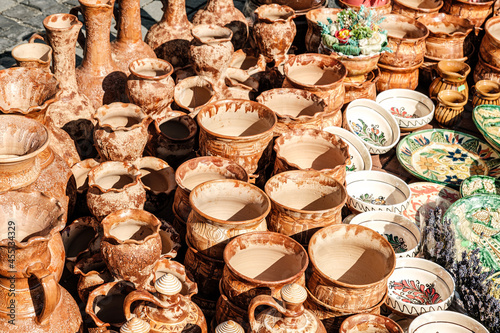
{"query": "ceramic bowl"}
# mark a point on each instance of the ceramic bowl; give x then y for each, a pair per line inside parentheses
(480, 184)
(360, 156)
(365, 322)
(445, 321)
(376, 126)
(411, 109)
(376, 190)
(485, 118)
(403, 235)
(417, 286)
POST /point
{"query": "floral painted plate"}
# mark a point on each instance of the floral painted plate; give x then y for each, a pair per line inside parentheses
(476, 221)
(447, 157)
(480, 185)
(426, 196)
(487, 120)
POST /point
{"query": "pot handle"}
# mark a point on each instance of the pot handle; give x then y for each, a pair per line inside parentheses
(81, 37)
(36, 36)
(139, 295)
(51, 291)
(263, 300)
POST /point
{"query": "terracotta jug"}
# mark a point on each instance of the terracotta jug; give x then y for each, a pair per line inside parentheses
(290, 316)
(192, 93)
(452, 76)
(167, 309)
(225, 14)
(33, 55)
(129, 45)
(486, 92)
(450, 107)
(99, 77)
(170, 38)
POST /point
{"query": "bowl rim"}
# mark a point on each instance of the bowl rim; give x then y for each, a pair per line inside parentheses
(429, 317)
(352, 140)
(480, 125)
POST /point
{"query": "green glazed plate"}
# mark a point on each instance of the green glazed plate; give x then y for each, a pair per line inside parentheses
(487, 120)
(480, 185)
(476, 222)
(447, 157)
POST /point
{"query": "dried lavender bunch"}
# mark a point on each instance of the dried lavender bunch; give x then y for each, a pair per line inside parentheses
(439, 239)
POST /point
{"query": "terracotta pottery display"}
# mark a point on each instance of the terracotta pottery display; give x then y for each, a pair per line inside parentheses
(121, 132)
(239, 130)
(452, 76)
(319, 74)
(167, 309)
(192, 93)
(223, 209)
(485, 71)
(150, 85)
(449, 36)
(312, 150)
(366, 89)
(274, 31)
(486, 92)
(224, 13)
(99, 77)
(395, 77)
(290, 315)
(114, 186)
(357, 281)
(33, 55)
(416, 8)
(302, 202)
(490, 44)
(170, 38)
(313, 34)
(450, 107)
(128, 45)
(261, 263)
(475, 11)
(369, 321)
(406, 38)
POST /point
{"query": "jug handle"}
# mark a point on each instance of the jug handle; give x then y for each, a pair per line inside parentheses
(36, 36)
(269, 301)
(51, 292)
(139, 295)
(81, 37)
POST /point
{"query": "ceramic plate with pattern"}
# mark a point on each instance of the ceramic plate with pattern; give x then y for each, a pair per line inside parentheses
(480, 185)
(447, 157)
(476, 221)
(487, 120)
(426, 196)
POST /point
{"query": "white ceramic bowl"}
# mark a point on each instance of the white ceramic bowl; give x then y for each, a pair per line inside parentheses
(411, 109)
(374, 125)
(360, 156)
(445, 322)
(417, 286)
(403, 235)
(376, 190)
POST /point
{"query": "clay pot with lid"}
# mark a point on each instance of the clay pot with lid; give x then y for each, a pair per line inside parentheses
(450, 107)
(490, 44)
(135, 325)
(33, 55)
(475, 11)
(416, 8)
(452, 76)
(313, 34)
(192, 93)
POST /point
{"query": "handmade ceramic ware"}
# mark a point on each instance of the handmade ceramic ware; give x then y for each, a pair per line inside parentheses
(239, 85)
(450, 106)
(398, 77)
(485, 71)
(452, 76)
(490, 44)
(303, 202)
(80, 172)
(313, 34)
(381, 7)
(360, 156)
(367, 322)
(417, 286)
(33, 55)
(192, 93)
(479, 185)
(250, 61)
(411, 109)
(92, 272)
(77, 237)
(376, 190)
(227, 310)
(229, 326)
(446, 157)
(445, 321)
(135, 325)
(476, 12)
(484, 118)
(486, 92)
(403, 235)
(357, 281)
(366, 89)
(416, 8)
(376, 126)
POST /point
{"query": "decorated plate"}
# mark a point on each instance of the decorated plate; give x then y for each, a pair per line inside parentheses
(426, 196)
(447, 157)
(487, 120)
(476, 221)
(480, 185)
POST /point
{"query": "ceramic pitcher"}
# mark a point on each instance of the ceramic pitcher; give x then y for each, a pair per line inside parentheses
(452, 76)
(33, 55)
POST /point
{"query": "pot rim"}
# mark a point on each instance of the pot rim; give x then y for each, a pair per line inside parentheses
(446, 18)
(311, 14)
(226, 34)
(172, 116)
(87, 3)
(401, 69)
(160, 167)
(288, 13)
(402, 18)
(421, 10)
(166, 66)
(37, 59)
(108, 109)
(487, 25)
(488, 94)
(130, 214)
(73, 22)
(464, 59)
(452, 104)
(357, 8)
(311, 59)
(184, 85)
(125, 165)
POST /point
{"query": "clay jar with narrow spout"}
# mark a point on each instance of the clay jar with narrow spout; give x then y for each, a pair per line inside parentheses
(131, 245)
(121, 133)
(452, 76)
(274, 31)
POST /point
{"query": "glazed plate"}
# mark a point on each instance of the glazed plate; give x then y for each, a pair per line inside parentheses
(487, 120)
(476, 222)
(480, 185)
(445, 322)
(447, 157)
(360, 156)
(426, 196)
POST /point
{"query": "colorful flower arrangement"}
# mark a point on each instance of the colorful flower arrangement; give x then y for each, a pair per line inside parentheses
(355, 33)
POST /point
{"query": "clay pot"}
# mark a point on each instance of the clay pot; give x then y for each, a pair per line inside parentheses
(27, 91)
(449, 36)
(248, 60)
(121, 133)
(99, 77)
(33, 55)
(416, 8)
(239, 85)
(245, 141)
(170, 241)
(223, 13)
(485, 71)
(450, 107)
(366, 89)
(312, 150)
(197, 171)
(211, 51)
(80, 172)
(223, 209)
(192, 93)
(395, 77)
(407, 38)
(128, 45)
(360, 321)
(274, 31)
(319, 74)
(114, 186)
(61, 142)
(313, 34)
(170, 38)
(355, 282)
(79, 236)
(227, 310)
(490, 44)
(92, 272)
(261, 263)
(167, 266)
(486, 92)
(302, 202)
(475, 11)
(150, 85)
(452, 76)
(381, 7)
(135, 325)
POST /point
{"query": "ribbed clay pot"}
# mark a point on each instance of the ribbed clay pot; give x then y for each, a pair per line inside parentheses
(394, 77)
(302, 202)
(450, 107)
(192, 93)
(486, 92)
(485, 71)
(452, 76)
(474, 11)
(313, 34)
(223, 209)
(490, 44)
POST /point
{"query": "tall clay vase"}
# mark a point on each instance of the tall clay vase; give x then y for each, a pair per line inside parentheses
(170, 38)
(274, 31)
(71, 111)
(129, 45)
(224, 13)
(99, 77)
